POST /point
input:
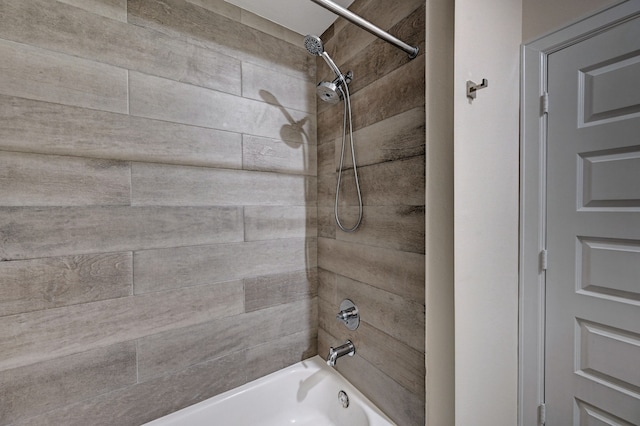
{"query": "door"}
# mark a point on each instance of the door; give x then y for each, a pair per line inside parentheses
(592, 327)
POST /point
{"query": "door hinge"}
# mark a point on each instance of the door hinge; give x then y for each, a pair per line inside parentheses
(544, 260)
(544, 103)
(542, 414)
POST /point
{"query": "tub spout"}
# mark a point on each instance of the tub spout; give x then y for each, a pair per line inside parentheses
(340, 351)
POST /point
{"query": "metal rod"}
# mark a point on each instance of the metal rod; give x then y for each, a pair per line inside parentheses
(368, 26)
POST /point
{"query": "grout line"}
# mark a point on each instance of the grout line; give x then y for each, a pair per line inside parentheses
(128, 93)
(133, 275)
(242, 140)
(244, 224)
(137, 361)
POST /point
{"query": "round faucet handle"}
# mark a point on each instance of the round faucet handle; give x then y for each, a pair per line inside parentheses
(349, 314)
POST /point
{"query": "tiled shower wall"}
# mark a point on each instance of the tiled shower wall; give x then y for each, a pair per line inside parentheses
(157, 206)
(381, 266)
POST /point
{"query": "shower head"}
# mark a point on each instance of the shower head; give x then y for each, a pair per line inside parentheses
(328, 91)
(313, 44)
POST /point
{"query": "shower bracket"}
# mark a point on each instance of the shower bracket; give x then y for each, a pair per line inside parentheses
(346, 78)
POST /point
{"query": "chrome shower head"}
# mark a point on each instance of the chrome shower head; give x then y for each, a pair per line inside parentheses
(313, 44)
(331, 92)
(328, 91)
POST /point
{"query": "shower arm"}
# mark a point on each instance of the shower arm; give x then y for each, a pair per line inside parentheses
(368, 26)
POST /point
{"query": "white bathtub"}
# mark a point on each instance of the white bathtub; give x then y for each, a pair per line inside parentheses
(305, 393)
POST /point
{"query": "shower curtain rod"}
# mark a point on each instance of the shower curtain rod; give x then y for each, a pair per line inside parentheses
(368, 26)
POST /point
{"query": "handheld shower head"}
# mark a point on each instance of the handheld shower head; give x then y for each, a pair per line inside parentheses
(313, 44)
(333, 92)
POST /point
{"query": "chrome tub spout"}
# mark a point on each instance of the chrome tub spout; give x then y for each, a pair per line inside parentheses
(340, 351)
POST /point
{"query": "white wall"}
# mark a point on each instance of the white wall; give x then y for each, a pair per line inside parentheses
(439, 214)
(486, 146)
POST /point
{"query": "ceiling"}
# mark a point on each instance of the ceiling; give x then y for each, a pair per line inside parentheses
(301, 16)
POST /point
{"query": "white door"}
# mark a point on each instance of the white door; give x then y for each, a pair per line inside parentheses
(592, 331)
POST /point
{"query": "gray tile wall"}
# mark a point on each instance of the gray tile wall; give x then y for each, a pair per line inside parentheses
(158, 211)
(381, 266)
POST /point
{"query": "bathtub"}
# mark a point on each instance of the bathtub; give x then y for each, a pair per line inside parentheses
(306, 393)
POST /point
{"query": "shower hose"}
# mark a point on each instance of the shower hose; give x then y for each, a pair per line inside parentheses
(347, 112)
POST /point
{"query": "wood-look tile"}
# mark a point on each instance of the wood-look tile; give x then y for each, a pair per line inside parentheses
(401, 273)
(159, 98)
(389, 122)
(327, 287)
(267, 26)
(249, 19)
(290, 349)
(114, 9)
(349, 39)
(205, 28)
(264, 84)
(156, 270)
(47, 180)
(147, 401)
(394, 183)
(38, 127)
(395, 227)
(277, 222)
(325, 341)
(45, 386)
(71, 30)
(30, 72)
(326, 222)
(327, 152)
(221, 7)
(327, 321)
(32, 285)
(397, 360)
(399, 91)
(327, 190)
(398, 317)
(400, 404)
(162, 185)
(277, 289)
(143, 402)
(379, 58)
(31, 232)
(42, 335)
(398, 137)
(177, 349)
(274, 155)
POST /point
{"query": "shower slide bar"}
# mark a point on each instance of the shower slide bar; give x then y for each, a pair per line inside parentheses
(368, 26)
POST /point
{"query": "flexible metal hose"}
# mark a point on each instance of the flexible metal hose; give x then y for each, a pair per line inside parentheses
(347, 111)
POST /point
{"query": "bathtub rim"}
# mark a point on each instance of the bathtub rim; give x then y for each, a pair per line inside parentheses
(311, 365)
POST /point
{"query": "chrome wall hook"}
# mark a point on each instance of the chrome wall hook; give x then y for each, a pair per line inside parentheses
(472, 87)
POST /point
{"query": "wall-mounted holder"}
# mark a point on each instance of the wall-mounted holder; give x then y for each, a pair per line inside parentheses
(349, 314)
(472, 87)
